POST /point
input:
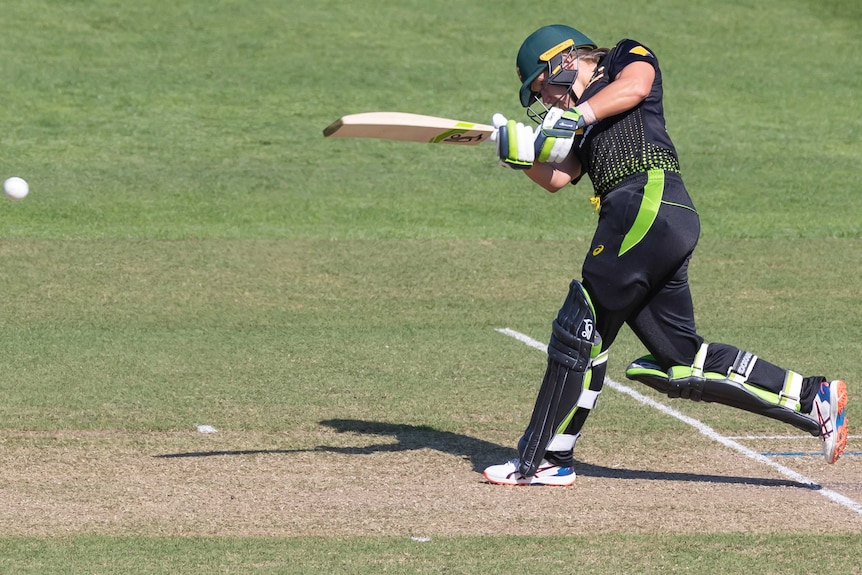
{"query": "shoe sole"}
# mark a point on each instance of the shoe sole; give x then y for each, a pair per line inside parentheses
(527, 484)
(841, 432)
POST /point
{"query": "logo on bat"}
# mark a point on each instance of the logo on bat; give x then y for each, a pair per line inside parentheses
(457, 137)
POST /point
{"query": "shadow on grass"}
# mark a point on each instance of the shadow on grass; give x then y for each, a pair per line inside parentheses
(478, 452)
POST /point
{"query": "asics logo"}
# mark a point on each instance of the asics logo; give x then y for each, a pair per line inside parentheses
(825, 430)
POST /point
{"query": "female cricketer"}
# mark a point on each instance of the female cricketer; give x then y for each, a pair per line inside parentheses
(599, 113)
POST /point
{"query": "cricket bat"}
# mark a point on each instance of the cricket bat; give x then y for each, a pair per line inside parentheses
(408, 128)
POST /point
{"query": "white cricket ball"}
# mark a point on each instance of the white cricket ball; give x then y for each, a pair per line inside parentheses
(16, 188)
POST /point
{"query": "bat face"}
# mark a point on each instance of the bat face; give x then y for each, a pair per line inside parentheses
(409, 128)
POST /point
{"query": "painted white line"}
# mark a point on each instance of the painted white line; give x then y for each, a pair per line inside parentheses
(755, 437)
(789, 437)
(705, 430)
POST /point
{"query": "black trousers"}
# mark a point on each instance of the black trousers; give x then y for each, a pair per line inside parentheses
(636, 273)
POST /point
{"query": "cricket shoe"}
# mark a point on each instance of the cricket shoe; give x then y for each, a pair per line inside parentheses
(546, 474)
(828, 410)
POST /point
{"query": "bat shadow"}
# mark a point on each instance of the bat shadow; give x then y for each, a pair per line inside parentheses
(478, 452)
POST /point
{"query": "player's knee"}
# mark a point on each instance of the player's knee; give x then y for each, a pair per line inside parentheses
(573, 334)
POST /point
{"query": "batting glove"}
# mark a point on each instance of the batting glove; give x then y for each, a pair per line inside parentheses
(555, 136)
(514, 143)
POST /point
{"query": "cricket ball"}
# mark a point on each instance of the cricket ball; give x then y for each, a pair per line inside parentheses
(16, 188)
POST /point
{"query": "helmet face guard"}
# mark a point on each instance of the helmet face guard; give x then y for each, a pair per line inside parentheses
(547, 50)
(559, 74)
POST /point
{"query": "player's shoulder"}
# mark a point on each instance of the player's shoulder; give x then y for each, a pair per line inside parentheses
(629, 47)
(627, 51)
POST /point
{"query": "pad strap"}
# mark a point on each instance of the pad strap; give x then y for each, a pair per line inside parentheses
(562, 442)
(742, 367)
(699, 360)
(589, 397)
(789, 395)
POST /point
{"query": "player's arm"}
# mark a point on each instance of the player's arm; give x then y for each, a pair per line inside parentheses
(630, 87)
(555, 177)
(515, 145)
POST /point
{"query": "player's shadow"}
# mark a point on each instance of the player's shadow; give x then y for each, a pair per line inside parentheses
(478, 452)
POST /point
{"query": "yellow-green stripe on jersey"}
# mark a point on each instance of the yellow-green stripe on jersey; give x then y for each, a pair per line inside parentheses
(647, 212)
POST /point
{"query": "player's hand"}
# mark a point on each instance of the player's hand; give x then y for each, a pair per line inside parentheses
(555, 136)
(514, 143)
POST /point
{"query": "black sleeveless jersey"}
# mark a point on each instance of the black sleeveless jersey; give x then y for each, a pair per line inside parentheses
(633, 142)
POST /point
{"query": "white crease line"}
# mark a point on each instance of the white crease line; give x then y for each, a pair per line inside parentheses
(706, 430)
(788, 437)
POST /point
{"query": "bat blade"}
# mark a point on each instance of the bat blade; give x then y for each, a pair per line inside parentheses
(409, 128)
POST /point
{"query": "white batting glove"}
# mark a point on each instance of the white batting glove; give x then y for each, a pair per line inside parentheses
(497, 120)
(556, 135)
(514, 141)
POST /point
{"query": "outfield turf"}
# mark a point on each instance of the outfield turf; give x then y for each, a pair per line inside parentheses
(194, 252)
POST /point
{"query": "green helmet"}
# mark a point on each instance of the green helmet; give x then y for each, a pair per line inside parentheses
(540, 47)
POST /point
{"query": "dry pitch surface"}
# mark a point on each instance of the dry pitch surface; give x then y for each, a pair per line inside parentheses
(366, 478)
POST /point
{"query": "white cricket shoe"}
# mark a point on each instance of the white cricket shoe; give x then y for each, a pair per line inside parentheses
(546, 474)
(828, 410)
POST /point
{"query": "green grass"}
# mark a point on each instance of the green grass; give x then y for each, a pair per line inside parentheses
(726, 554)
(193, 250)
(239, 331)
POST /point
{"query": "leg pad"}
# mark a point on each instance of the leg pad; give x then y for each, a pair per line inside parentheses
(573, 343)
(714, 388)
